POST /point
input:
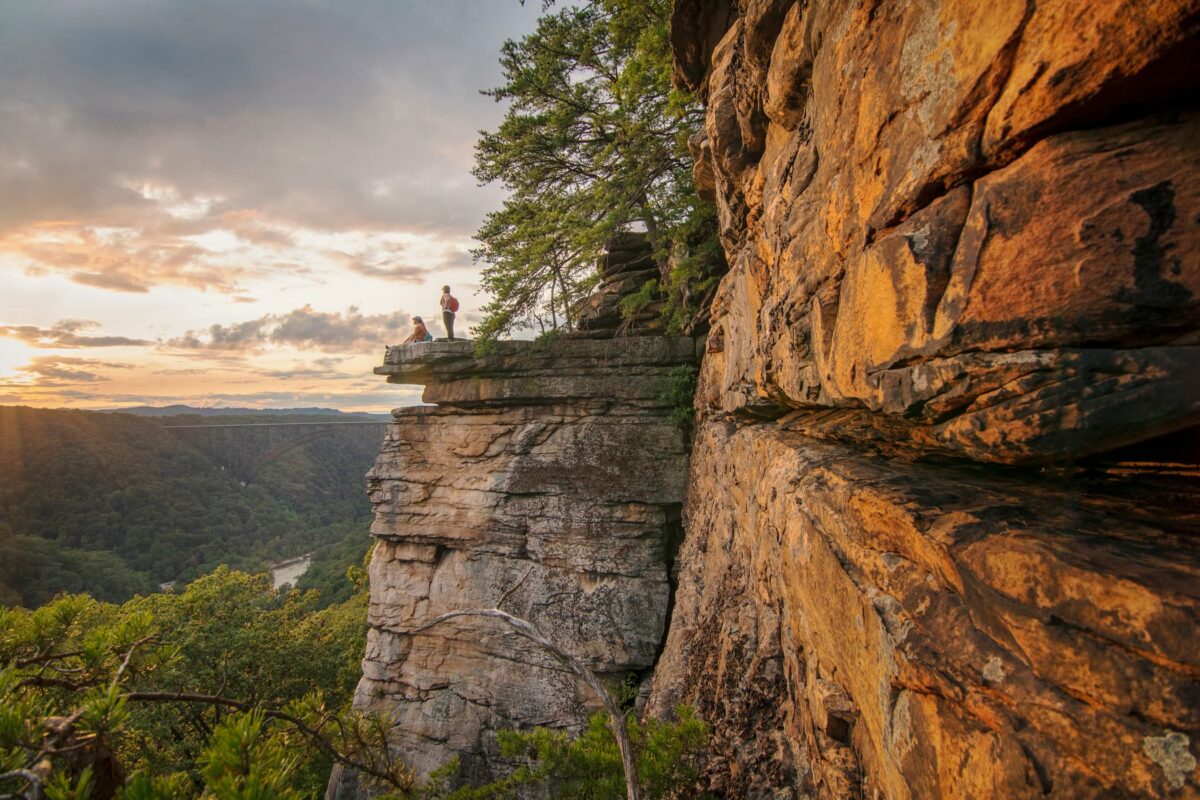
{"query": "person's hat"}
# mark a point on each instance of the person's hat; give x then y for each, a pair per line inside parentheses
(418, 319)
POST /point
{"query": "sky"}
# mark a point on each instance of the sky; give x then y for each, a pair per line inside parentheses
(231, 203)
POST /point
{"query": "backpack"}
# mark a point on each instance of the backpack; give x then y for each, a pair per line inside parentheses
(453, 305)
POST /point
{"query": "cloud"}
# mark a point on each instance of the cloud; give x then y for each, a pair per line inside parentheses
(250, 226)
(412, 260)
(137, 131)
(401, 272)
(66, 370)
(302, 328)
(66, 333)
(329, 362)
(322, 368)
(122, 259)
(119, 283)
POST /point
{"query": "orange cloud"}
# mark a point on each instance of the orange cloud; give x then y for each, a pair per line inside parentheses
(67, 370)
(303, 328)
(66, 334)
(128, 259)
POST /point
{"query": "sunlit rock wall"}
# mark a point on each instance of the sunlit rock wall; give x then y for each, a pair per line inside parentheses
(942, 532)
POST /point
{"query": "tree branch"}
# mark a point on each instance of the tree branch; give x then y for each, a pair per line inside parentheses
(35, 783)
(45, 659)
(616, 719)
(514, 587)
(129, 657)
(314, 735)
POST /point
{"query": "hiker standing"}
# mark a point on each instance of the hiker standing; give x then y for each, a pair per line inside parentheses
(449, 307)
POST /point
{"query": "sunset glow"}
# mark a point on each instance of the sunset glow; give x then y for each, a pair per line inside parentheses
(13, 355)
(195, 211)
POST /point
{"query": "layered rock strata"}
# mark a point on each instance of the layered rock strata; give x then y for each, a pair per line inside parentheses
(547, 477)
(957, 214)
(861, 624)
(626, 268)
(922, 559)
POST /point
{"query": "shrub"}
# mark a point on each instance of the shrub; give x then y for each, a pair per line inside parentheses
(679, 395)
(588, 767)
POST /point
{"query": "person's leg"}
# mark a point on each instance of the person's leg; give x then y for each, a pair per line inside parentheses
(448, 321)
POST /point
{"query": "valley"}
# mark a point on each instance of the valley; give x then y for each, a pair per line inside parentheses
(116, 504)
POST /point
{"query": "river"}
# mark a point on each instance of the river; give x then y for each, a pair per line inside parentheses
(289, 571)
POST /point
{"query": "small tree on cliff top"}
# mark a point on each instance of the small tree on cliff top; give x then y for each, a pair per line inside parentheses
(594, 140)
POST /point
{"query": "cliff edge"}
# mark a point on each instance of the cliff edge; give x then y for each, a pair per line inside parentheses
(548, 477)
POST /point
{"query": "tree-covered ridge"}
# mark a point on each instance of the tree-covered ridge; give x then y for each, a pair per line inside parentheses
(594, 141)
(334, 571)
(113, 504)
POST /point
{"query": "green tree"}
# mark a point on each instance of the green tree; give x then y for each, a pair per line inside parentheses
(338, 570)
(588, 767)
(227, 690)
(594, 141)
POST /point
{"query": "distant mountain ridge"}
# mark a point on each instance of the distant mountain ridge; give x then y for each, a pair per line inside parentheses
(222, 411)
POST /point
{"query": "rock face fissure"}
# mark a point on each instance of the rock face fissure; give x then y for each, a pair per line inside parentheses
(964, 248)
(547, 472)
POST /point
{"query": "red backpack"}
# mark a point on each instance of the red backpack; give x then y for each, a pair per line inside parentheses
(453, 304)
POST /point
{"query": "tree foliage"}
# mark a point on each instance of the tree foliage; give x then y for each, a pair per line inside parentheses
(113, 504)
(588, 766)
(594, 141)
(338, 569)
(232, 690)
(227, 690)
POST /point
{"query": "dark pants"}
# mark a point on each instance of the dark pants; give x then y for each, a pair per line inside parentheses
(448, 321)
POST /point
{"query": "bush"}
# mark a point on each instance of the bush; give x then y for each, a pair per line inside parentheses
(229, 689)
(679, 395)
(632, 304)
(588, 767)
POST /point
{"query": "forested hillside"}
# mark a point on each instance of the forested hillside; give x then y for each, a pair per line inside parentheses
(113, 504)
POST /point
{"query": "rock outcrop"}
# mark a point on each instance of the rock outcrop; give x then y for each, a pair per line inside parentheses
(858, 623)
(964, 248)
(626, 269)
(956, 214)
(549, 477)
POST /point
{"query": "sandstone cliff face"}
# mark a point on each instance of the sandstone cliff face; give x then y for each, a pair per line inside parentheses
(859, 624)
(964, 242)
(927, 215)
(548, 476)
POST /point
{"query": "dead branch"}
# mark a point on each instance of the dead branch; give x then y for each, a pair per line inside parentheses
(616, 719)
(514, 587)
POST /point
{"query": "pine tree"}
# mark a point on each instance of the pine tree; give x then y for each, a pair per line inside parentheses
(594, 141)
